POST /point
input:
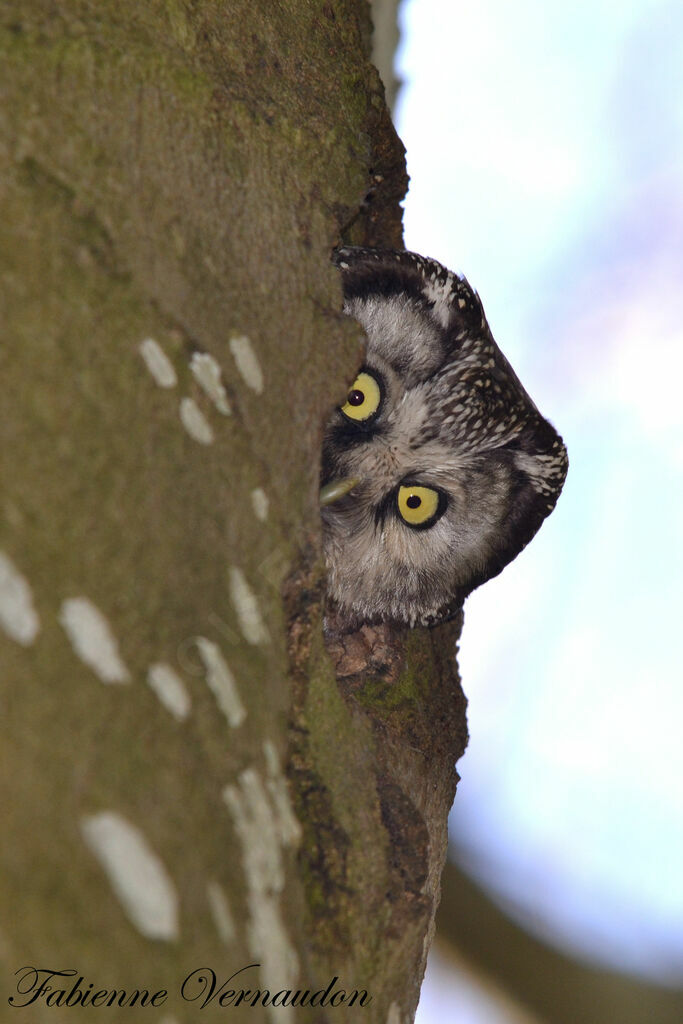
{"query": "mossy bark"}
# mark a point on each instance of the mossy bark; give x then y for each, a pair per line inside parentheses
(179, 171)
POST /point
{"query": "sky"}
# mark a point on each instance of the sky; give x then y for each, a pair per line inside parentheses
(545, 148)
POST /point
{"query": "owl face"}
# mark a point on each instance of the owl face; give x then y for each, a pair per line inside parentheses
(438, 468)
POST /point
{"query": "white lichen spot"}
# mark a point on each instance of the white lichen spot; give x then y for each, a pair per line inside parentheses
(220, 911)
(289, 829)
(247, 609)
(195, 422)
(247, 363)
(158, 363)
(394, 1015)
(256, 828)
(221, 682)
(170, 689)
(259, 503)
(208, 374)
(267, 936)
(92, 639)
(137, 875)
(18, 617)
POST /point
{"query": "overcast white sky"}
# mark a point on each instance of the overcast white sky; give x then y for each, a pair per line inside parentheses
(545, 148)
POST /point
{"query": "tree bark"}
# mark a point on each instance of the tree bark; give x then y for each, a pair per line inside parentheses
(185, 783)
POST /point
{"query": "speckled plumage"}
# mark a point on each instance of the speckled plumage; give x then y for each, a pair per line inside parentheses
(452, 419)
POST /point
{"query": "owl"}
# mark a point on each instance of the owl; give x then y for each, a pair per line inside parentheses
(438, 468)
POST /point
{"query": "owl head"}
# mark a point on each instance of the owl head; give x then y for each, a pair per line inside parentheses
(438, 468)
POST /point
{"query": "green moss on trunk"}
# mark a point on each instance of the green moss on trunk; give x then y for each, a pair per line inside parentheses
(180, 171)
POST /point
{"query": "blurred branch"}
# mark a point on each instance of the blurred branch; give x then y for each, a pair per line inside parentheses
(555, 986)
(385, 39)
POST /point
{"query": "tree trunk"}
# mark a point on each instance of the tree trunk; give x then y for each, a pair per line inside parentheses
(186, 786)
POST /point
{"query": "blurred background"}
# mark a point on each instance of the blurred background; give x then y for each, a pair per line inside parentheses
(545, 148)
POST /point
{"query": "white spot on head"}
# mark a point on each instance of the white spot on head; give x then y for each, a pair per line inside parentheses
(264, 871)
(170, 689)
(394, 1015)
(18, 617)
(247, 363)
(92, 639)
(158, 363)
(195, 422)
(259, 502)
(137, 875)
(246, 606)
(220, 911)
(208, 374)
(221, 682)
(440, 295)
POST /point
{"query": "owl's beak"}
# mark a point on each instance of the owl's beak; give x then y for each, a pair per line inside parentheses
(337, 489)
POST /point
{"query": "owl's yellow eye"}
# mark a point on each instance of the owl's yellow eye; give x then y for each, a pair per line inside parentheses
(419, 506)
(363, 399)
